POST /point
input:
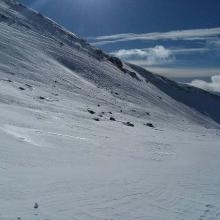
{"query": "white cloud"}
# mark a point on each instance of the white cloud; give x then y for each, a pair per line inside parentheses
(213, 86)
(149, 56)
(193, 34)
(131, 54)
(214, 42)
(179, 51)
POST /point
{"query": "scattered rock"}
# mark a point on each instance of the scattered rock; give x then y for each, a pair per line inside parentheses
(112, 119)
(36, 206)
(91, 112)
(149, 125)
(116, 61)
(42, 98)
(7, 80)
(115, 93)
(29, 86)
(133, 75)
(4, 17)
(18, 218)
(100, 54)
(128, 124)
(21, 88)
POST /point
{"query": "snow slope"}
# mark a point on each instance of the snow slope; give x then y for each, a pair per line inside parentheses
(60, 149)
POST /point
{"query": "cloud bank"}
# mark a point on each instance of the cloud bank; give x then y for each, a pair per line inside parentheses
(149, 56)
(213, 86)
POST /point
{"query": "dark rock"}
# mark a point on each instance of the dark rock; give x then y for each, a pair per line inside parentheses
(4, 17)
(96, 119)
(91, 112)
(41, 97)
(29, 86)
(128, 124)
(21, 88)
(149, 125)
(112, 119)
(100, 54)
(36, 206)
(133, 75)
(116, 61)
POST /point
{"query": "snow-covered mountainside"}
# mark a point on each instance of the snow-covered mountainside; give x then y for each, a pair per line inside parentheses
(86, 136)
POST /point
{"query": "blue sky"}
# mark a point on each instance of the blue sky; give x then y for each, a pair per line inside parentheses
(177, 38)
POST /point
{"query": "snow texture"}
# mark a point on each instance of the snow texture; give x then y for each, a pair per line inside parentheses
(63, 156)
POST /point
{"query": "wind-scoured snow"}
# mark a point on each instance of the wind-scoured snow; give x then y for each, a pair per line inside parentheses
(65, 143)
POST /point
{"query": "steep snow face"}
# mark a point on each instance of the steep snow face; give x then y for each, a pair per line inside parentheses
(36, 48)
(66, 144)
